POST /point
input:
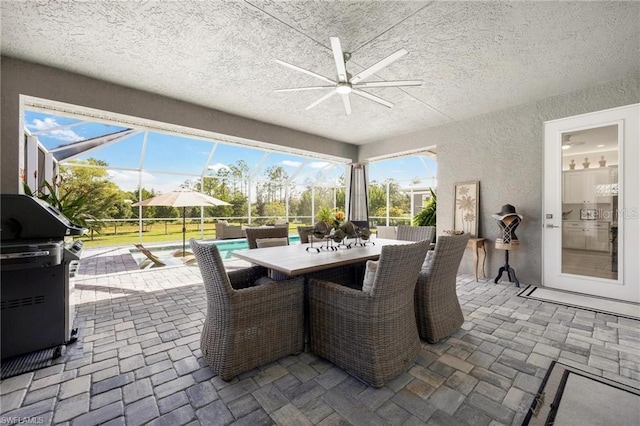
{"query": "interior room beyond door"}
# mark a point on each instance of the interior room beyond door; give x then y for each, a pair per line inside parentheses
(590, 202)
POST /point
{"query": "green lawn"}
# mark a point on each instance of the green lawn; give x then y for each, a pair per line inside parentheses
(122, 235)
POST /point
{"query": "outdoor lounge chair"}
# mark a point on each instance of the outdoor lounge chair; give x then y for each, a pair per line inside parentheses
(372, 335)
(267, 232)
(225, 231)
(437, 309)
(416, 233)
(387, 232)
(153, 261)
(247, 325)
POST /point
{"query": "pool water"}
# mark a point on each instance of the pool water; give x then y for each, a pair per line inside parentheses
(224, 247)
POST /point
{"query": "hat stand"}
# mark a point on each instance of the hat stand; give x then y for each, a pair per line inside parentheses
(511, 273)
(508, 240)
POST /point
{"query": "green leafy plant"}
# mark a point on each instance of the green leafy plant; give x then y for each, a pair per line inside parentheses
(332, 217)
(427, 216)
(73, 205)
(325, 214)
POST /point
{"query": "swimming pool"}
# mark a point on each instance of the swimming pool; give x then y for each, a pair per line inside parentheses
(224, 247)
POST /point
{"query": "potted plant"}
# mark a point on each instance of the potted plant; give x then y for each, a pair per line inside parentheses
(427, 216)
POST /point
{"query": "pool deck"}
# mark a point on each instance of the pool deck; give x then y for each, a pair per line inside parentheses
(110, 272)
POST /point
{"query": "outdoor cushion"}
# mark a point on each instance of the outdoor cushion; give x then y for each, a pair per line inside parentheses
(264, 280)
(271, 242)
(281, 222)
(428, 260)
(224, 222)
(369, 275)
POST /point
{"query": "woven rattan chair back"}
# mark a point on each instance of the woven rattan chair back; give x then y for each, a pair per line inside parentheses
(267, 232)
(438, 312)
(215, 278)
(371, 335)
(248, 328)
(304, 232)
(397, 267)
(416, 233)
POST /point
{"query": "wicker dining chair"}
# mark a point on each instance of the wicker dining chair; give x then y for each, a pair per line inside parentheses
(267, 232)
(437, 309)
(247, 326)
(304, 232)
(372, 335)
(416, 233)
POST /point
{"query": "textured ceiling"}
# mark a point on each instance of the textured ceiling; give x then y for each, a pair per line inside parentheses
(474, 57)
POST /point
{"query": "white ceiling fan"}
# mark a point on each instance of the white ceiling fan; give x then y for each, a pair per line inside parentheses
(347, 84)
(568, 142)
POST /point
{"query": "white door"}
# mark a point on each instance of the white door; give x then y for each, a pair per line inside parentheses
(591, 204)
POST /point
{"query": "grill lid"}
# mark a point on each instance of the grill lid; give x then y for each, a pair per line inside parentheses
(25, 217)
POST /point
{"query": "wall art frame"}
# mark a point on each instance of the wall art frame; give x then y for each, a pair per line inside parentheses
(466, 207)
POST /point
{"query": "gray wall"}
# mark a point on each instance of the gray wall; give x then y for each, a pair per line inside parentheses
(503, 150)
(24, 78)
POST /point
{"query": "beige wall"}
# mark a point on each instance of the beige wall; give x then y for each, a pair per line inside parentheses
(24, 78)
(503, 150)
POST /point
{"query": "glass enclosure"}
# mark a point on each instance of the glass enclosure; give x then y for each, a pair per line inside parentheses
(262, 185)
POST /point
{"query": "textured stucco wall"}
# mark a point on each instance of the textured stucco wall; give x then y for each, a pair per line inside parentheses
(19, 77)
(504, 151)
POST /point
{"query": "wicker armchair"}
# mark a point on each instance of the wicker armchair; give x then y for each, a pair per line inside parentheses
(226, 231)
(304, 232)
(416, 233)
(267, 232)
(247, 326)
(371, 335)
(437, 309)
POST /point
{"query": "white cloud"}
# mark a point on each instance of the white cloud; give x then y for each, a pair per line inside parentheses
(313, 164)
(218, 166)
(63, 135)
(128, 180)
(318, 164)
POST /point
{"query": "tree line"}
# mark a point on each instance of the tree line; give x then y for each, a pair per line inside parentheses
(85, 193)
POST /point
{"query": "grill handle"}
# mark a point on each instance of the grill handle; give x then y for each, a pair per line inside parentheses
(24, 254)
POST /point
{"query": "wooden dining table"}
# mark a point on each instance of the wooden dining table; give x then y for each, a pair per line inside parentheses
(296, 260)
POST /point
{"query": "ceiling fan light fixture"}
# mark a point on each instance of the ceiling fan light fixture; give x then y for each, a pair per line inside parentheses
(346, 83)
(343, 88)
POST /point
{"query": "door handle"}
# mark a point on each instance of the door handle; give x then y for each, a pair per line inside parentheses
(551, 225)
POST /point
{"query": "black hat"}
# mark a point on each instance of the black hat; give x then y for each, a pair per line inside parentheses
(507, 210)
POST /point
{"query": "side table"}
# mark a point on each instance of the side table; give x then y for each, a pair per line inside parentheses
(477, 245)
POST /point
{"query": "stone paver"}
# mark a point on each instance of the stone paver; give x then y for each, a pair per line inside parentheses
(138, 361)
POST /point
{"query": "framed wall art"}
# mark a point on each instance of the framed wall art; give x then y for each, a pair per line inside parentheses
(466, 207)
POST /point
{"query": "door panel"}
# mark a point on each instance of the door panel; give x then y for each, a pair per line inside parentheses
(591, 204)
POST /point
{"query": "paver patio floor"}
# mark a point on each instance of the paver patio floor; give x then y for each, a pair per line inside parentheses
(138, 361)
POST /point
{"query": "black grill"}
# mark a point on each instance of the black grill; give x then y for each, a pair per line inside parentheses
(37, 264)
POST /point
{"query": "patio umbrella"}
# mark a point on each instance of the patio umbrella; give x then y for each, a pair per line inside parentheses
(186, 198)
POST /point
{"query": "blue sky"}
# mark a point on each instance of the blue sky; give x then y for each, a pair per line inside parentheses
(174, 155)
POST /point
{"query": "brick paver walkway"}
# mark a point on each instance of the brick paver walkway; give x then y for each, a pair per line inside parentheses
(138, 360)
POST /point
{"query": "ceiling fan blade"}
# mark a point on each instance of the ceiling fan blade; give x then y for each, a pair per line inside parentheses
(298, 89)
(378, 66)
(322, 99)
(347, 103)
(396, 83)
(311, 73)
(372, 97)
(338, 56)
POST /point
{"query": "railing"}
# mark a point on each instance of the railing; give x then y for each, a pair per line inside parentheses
(157, 230)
